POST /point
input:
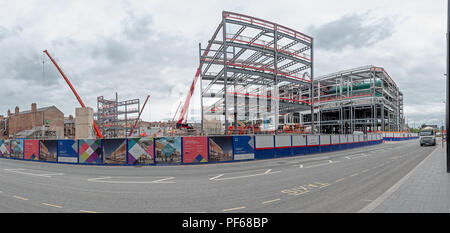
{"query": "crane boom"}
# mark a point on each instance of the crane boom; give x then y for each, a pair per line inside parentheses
(99, 134)
(188, 98)
(139, 116)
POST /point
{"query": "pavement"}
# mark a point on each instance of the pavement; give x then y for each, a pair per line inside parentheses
(425, 189)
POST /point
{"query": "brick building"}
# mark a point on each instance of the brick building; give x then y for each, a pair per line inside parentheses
(36, 119)
(69, 127)
(3, 127)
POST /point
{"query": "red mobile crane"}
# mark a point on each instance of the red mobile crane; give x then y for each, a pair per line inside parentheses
(97, 131)
(186, 103)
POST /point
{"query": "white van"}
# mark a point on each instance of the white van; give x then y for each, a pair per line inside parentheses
(427, 136)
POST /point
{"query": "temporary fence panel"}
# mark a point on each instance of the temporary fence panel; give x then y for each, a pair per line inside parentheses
(90, 151)
(17, 148)
(243, 147)
(195, 150)
(299, 145)
(283, 145)
(313, 143)
(48, 150)
(168, 150)
(67, 151)
(335, 142)
(264, 147)
(325, 143)
(220, 148)
(31, 150)
(114, 151)
(5, 148)
(140, 151)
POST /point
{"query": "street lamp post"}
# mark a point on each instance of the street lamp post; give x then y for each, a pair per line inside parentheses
(448, 86)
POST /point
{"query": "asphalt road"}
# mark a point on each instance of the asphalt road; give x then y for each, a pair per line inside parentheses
(344, 181)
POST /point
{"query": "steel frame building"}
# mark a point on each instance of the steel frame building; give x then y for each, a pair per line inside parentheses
(251, 72)
(116, 119)
(362, 99)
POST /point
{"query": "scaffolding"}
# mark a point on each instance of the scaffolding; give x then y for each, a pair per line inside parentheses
(116, 119)
(363, 99)
(253, 71)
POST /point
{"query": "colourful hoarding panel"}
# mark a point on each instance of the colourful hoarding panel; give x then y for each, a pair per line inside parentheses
(220, 148)
(195, 149)
(67, 151)
(31, 149)
(90, 151)
(243, 147)
(114, 151)
(4, 148)
(17, 148)
(48, 150)
(140, 150)
(168, 150)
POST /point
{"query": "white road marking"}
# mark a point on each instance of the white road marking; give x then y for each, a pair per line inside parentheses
(320, 164)
(357, 156)
(51, 205)
(22, 171)
(21, 198)
(215, 177)
(267, 172)
(237, 208)
(107, 179)
(88, 211)
(267, 202)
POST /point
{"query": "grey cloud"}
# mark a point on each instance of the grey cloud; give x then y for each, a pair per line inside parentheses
(5, 32)
(351, 31)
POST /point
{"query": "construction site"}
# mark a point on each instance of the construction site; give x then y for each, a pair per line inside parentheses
(254, 77)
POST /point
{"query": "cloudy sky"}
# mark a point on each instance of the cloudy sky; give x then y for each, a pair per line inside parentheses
(136, 48)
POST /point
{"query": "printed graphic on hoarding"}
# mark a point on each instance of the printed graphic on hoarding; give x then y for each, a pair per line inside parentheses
(140, 150)
(31, 149)
(4, 148)
(17, 148)
(220, 148)
(48, 150)
(114, 151)
(168, 150)
(243, 147)
(67, 151)
(195, 149)
(90, 151)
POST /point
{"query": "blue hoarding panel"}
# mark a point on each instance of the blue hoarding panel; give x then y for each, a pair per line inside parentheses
(243, 147)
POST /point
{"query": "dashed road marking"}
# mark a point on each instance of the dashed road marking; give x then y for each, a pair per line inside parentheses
(232, 209)
(51, 205)
(342, 179)
(20, 198)
(88, 211)
(267, 202)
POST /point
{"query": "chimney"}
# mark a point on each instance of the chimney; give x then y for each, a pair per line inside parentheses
(33, 107)
(9, 112)
(16, 112)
